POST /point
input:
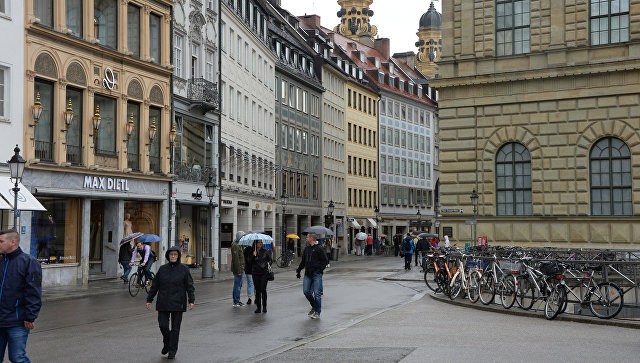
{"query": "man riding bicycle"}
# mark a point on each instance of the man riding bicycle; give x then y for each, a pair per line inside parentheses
(148, 258)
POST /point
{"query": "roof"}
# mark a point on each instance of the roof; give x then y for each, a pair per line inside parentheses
(431, 19)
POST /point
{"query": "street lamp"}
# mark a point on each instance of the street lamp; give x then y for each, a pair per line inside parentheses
(210, 188)
(36, 110)
(130, 127)
(16, 168)
(419, 215)
(153, 131)
(474, 202)
(96, 123)
(68, 116)
(283, 199)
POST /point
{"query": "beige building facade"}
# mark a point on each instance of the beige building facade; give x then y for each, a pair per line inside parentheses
(539, 114)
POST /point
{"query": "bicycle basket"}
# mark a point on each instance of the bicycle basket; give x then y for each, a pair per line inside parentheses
(550, 268)
(471, 264)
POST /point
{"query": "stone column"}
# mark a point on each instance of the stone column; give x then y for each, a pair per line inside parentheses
(85, 240)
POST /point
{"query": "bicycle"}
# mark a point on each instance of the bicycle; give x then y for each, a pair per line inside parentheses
(466, 278)
(139, 280)
(535, 283)
(286, 260)
(489, 279)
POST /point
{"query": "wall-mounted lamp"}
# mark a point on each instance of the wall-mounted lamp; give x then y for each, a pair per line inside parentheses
(130, 127)
(36, 110)
(172, 134)
(197, 195)
(96, 122)
(68, 116)
(152, 131)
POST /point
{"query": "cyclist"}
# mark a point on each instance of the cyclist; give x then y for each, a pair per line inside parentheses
(148, 258)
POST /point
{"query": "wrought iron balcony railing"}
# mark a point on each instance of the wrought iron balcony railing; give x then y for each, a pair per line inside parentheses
(203, 94)
(193, 173)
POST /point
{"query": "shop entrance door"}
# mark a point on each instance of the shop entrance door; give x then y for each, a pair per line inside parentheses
(95, 237)
(202, 231)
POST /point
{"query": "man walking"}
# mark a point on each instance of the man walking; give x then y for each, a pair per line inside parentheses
(237, 268)
(421, 248)
(173, 284)
(20, 296)
(314, 260)
(407, 249)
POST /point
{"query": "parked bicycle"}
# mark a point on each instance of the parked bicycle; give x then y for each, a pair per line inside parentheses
(466, 279)
(286, 260)
(139, 280)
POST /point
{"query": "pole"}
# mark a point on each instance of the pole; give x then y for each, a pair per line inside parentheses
(284, 231)
(15, 207)
(475, 212)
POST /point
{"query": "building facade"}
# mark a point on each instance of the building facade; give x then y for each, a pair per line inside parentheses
(196, 115)
(247, 115)
(11, 92)
(539, 110)
(298, 117)
(107, 62)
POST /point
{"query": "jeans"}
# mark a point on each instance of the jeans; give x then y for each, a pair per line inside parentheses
(126, 268)
(170, 336)
(312, 287)
(147, 268)
(407, 261)
(251, 291)
(261, 290)
(237, 286)
(16, 338)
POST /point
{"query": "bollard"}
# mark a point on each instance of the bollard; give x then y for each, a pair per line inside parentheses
(334, 254)
(207, 268)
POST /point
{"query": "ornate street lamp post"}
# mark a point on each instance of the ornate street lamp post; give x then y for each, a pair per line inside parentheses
(210, 188)
(16, 168)
(283, 199)
(419, 215)
(474, 201)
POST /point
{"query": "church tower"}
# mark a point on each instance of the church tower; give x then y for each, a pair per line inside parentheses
(355, 21)
(430, 42)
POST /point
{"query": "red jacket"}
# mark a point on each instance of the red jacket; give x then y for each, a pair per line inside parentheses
(369, 240)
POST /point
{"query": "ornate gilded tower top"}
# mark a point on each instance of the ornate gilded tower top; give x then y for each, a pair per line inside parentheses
(355, 20)
(429, 42)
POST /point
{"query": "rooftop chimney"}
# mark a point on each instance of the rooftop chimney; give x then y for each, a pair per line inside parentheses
(310, 21)
(383, 46)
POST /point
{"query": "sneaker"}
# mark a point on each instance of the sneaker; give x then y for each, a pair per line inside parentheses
(172, 355)
(328, 265)
(311, 312)
(314, 315)
(240, 303)
(249, 301)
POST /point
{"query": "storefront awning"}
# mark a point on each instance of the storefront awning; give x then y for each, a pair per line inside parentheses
(4, 205)
(372, 222)
(26, 200)
(355, 224)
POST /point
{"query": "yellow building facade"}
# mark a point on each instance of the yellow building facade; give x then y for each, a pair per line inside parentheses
(539, 115)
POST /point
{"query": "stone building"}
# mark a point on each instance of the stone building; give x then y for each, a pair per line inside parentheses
(196, 116)
(539, 114)
(355, 21)
(108, 64)
(429, 42)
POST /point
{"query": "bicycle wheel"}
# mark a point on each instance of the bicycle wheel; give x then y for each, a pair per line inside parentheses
(524, 292)
(147, 283)
(606, 300)
(555, 302)
(133, 281)
(430, 279)
(455, 286)
(443, 281)
(279, 262)
(289, 261)
(473, 287)
(507, 288)
(486, 292)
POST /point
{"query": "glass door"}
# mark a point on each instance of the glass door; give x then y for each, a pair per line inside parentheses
(95, 236)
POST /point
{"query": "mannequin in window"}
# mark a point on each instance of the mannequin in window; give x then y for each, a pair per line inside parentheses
(49, 229)
(127, 224)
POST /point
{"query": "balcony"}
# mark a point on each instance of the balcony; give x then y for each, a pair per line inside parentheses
(194, 173)
(154, 164)
(133, 161)
(203, 95)
(44, 150)
(73, 155)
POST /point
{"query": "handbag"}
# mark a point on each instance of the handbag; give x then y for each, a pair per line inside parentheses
(270, 276)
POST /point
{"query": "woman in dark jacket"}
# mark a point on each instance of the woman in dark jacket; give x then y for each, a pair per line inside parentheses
(173, 284)
(260, 261)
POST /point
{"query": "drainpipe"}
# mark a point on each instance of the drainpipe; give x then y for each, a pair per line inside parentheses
(219, 113)
(171, 213)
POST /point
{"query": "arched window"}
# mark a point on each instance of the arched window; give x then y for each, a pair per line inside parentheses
(610, 168)
(513, 180)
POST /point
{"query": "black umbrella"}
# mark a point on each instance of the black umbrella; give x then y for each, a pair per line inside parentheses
(415, 233)
(318, 230)
(427, 236)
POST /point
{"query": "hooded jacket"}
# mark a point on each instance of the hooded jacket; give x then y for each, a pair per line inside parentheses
(173, 284)
(314, 260)
(20, 288)
(237, 255)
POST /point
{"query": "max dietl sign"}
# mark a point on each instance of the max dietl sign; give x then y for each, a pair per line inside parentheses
(106, 183)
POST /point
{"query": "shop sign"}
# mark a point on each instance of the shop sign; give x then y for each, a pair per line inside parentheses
(243, 204)
(226, 201)
(350, 219)
(109, 80)
(105, 183)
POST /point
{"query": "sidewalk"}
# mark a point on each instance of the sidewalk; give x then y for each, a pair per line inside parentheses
(115, 285)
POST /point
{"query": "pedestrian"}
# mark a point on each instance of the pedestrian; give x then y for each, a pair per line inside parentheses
(124, 256)
(447, 244)
(407, 249)
(376, 245)
(20, 296)
(248, 251)
(261, 259)
(237, 268)
(358, 247)
(147, 259)
(313, 262)
(397, 238)
(327, 250)
(174, 286)
(369, 245)
(421, 248)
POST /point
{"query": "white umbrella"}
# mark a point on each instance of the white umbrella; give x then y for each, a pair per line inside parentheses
(361, 236)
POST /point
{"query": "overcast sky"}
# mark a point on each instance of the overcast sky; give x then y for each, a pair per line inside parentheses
(388, 17)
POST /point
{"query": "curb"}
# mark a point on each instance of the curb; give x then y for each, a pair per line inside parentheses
(529, 314)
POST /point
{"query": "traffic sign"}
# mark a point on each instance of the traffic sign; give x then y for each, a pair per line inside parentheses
(451, 211)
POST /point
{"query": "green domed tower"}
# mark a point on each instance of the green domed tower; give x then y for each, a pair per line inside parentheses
(430, 42)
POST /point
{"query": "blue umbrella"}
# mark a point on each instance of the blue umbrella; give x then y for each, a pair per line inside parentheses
(145, 238)
(247, 239)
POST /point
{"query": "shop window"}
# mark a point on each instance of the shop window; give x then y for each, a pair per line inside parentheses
(55, 233)
(145, 218)
(154, 148)
(44, 131)
(105, 20)
(133, 30)
(155, 37)
(133, 145)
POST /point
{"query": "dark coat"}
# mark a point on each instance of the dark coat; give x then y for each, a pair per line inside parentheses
(314, 260)
(21, 289)
(248, 255)
(125, 253)
(423, 245)
(260, 262)
(173, 283)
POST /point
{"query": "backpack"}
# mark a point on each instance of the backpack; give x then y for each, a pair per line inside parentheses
(406, 245)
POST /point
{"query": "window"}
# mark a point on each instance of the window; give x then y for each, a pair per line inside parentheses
(44, 131)
(223, 34)
(133, 145)
(2, 7)
(105, 22)
(43, 10)
(291, 95)
(133, 29)
(3, 81)
(208, 58)
(155, 38)
(304, 142)
(106, 139)
(305, 99)
(292, 143)
(315, 188)
(349, 97)
(178, 46)
(349, 131)
(513, 180)
(73, 16)
(195, 60)
(610, 169)
(512, 27)
(298, 141)
(383, 134)
(283, 137)
(349, 194)
(396, 137)
(609, 21)
(231, 40)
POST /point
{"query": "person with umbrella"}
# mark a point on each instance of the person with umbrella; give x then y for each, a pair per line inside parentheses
(260, 261)
(127, 245)
(147, 260)
(314, 260)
